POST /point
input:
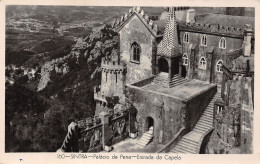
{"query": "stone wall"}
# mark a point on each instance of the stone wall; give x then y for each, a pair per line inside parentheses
(168, 113)
(212, 54)
(136, 31)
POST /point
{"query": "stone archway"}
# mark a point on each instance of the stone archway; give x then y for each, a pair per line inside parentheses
(149, 122)
(163, 65)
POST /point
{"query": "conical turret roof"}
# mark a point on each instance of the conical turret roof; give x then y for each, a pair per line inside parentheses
(169, 46)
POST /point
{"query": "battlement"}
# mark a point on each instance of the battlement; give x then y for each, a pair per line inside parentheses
(140, 13)
(212, 28)
(113, 65)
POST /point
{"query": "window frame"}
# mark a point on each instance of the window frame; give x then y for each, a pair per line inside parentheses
(203, 40)
(218, 67)
(186, 38)
(204, 67)
(222, 43)
(185, 59)
(135, 53)
(219, 109)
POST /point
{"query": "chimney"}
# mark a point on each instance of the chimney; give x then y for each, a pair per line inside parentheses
(247, 40)
(190, 16)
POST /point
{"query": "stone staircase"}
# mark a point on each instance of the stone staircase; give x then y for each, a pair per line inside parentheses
(177, 80)
(146, 138)
(191, 142)
(162, 79)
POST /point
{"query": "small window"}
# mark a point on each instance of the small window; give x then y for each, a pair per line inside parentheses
(203, 40)
(135, 52)
(219, 109)
(203, 63)
(116, 76)
(222, 43)
(185, 59)
(186, 37)
(219, 66)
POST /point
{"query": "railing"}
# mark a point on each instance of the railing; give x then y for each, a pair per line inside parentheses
(98, 133)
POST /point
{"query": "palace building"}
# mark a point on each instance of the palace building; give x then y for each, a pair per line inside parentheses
(178, 79)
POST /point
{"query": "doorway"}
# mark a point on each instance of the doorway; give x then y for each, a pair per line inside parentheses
(149, 123)
(163, 65)
(183, 71)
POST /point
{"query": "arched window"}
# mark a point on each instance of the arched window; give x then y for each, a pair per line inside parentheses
(219, 66)
(203, 40)
(203, 63)
(222, 43)
(186, 37)
(185, 59)
(135, 48)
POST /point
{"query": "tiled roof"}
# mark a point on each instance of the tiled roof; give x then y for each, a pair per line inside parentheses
(169, 46)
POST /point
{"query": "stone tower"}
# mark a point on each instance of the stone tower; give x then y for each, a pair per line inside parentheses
(112, 82)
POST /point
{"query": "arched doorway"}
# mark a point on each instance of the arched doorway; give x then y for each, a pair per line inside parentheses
(163, 65)
(149, 123)
(183, 71)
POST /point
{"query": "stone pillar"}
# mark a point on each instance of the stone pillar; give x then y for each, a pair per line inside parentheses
(104, 116)
(157, 66)
(170, 70)
(247, 40)
(224, 79)
(180, 67)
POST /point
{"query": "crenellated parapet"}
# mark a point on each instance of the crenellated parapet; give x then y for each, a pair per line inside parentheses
(113, 66)
(212, 28)
(118, 23)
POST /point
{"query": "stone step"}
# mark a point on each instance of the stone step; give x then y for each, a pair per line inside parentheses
(144, 141)
(208, 114)
(206, 117)
(185, 149)
(203, 125)
(208, 111)
(190, 141)
(177, 81)
(204, 122)
(199, 131)
(147, 136)
(187, 144)
(179, 151)
(201, 128)
(173, 85)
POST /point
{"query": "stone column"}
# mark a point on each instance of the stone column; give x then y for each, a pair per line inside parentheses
(170, 70)
(157, 66)
(104, 116)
